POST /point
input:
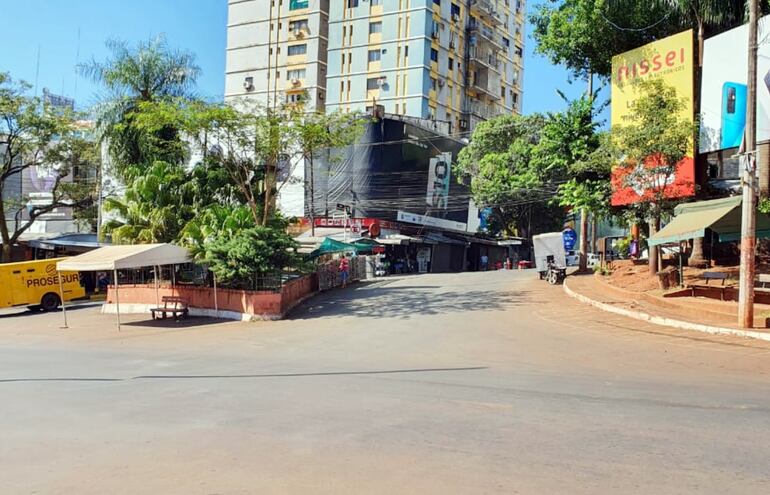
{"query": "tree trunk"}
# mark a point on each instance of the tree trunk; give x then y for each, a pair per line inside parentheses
(594, 228)
(4, 235)
(652, 251)
(583, 263)
(696, 257)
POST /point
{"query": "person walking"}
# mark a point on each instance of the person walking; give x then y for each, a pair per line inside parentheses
(484, 262)
(344, 269)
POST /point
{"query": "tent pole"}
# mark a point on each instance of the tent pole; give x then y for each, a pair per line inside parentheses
(117, 297)
(61, 297)
(157, 300)
(173, 278)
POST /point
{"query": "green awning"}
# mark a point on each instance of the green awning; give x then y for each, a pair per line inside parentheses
(722, 216)
(329, 245)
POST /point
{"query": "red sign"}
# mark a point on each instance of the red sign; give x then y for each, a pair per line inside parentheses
(355, 224)
(631, 185)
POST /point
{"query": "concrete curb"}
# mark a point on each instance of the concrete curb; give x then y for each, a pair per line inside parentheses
(662, 320)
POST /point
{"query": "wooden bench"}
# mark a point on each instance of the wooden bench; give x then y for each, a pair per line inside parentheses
(764, 279)
(176, 306)
(708, 276)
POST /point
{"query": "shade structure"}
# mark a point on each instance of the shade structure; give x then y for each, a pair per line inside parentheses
(723, 216)
(123, 257)
(114, 258)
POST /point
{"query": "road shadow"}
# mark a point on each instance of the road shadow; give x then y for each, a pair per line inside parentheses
(383, 301)
(30, 313)
(253, 375)
(171, 324)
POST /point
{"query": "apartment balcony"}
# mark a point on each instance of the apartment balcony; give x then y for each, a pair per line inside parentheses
(484, 87)
(481, 110)
(484, 58)
(485, 10)
(484, 34)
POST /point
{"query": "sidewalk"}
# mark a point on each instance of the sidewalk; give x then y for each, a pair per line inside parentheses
(699, 314)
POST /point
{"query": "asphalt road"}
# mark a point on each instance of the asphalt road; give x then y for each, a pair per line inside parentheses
(471, 383)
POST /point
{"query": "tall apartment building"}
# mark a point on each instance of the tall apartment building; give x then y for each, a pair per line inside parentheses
(277, 51)
(455, 61)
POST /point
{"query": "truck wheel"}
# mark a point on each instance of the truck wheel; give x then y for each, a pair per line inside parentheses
(50, 302)
(553, 277)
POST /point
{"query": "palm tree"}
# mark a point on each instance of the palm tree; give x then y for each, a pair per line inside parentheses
(155, 207)
(132, 76)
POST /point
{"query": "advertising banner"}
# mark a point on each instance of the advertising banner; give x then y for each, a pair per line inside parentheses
(724, 88)
(670, 59)
(439, 172)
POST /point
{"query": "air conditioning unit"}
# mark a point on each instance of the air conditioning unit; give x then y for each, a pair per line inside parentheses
(451, 43)
(298, 33)
(455, 18)
(441, 83)
(295, 81)
(248, 83)
(463, 124)
(435, 35)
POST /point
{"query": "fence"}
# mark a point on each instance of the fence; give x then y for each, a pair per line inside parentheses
(329, 272)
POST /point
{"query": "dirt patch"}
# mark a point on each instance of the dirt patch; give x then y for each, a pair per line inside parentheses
(635, 277)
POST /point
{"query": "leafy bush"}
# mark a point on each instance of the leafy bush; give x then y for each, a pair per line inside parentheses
(246, 257)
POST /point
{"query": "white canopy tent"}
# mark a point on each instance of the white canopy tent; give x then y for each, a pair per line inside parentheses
(114, 258)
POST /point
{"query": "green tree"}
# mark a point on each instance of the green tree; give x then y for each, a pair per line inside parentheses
(650, 149)
(584, 35)
(499, 168)
(154, 207)
(151, 71)
(35, 136)
(245, 258)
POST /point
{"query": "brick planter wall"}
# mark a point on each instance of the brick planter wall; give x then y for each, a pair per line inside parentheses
(265, 304)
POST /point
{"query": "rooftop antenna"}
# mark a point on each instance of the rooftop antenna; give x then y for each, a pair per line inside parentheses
(77, 61)
(37, 69)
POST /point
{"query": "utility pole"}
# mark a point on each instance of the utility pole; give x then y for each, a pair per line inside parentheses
(748, 219)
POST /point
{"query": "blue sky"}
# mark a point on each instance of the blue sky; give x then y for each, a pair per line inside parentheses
(195, 25)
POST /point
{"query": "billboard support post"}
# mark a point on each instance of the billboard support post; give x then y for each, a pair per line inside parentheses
(748, 218)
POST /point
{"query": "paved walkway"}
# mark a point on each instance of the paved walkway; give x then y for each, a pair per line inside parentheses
(472, 383)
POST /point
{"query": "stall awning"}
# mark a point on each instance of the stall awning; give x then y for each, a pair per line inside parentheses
(128, 256)
(723, 216)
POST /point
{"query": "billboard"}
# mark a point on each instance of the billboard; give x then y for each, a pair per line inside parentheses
(724, 88)
(670, 59)
(439, 172)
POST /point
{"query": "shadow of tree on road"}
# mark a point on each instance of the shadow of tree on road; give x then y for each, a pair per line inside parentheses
(403, 302)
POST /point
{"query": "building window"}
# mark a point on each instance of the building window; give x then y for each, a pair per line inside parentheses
(455, 10)
(519, 52)
(296, 74)
(375, 2)
(433, 84)
(375, 27)
(352, 3)
(437, 2)
(298, 4)
(297, 50)
(506, 42)
(434, 55)
(375, 55)
(373, 83)
(451, 63)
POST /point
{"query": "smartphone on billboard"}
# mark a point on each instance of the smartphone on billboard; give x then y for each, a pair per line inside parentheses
(733, 114)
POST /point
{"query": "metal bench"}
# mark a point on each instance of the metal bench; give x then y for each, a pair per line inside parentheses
(175, 306)
(708, 276)
(764, 279)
